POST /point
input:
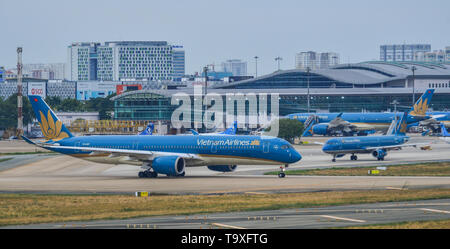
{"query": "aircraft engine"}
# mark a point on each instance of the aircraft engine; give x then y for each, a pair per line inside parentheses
(379, 153)
(223, 168)
(320, 129)
(169, 165)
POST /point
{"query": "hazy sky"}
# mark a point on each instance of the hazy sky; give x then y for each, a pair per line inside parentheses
(213, 31)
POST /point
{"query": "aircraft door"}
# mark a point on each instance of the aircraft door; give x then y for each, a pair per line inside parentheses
(266, 146)
(136, 145)
(213, 148)
(77, 144)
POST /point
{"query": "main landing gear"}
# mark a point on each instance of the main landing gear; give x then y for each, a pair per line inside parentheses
(147, 174)
(353, 157)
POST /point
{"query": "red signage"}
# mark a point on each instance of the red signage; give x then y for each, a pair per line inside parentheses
(125, 88)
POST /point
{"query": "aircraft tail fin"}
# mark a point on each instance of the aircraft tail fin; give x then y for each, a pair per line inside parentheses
(232, 130)
(400, 127)
(51, 126)
(149, 130)
(310, 122)
(444, 130)
(421, 106)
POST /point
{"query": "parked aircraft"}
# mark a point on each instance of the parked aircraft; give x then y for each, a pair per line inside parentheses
(445, 134)
(230, 131)
(149, 130)
(169, 154)
(349, 124)
(375, 145)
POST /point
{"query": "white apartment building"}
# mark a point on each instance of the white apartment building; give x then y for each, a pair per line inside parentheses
(315, 60)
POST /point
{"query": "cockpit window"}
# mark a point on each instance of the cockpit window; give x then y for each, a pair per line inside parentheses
(284, 147)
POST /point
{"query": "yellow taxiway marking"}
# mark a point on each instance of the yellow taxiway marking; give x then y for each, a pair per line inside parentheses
(341, 218)
(435, 210)
(226, 226)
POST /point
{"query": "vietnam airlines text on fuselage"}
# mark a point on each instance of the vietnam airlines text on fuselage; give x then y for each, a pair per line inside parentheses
(212, 150)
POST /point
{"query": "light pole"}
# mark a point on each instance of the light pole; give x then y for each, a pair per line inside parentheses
(395, 103)
(413, 68)
(278, 59)
(308, 70)
(256, 66)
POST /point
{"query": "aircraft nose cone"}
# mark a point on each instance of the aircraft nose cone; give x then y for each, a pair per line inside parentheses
(296, 156)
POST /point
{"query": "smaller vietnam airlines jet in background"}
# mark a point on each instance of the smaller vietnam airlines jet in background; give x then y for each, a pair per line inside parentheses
(375, 145)
(445, 134)
(162, 154)
(230, 131)
(351, 123)
(149, 130)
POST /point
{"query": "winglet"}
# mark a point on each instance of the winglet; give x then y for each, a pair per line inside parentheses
(194, 132)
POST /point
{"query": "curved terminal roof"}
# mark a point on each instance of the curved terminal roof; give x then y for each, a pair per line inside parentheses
(365, 73)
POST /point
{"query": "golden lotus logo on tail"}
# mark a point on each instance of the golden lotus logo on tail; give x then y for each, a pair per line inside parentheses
(420, 108)
(51, 129)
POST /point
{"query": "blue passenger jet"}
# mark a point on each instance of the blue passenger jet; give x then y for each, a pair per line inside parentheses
(230, 131)
(149, 130)
(167, 155)
(349, 124)
(445, 134)
(375, 145)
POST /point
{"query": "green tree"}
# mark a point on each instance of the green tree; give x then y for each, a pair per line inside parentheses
(8, 112)
(289, 129)
(54, 102)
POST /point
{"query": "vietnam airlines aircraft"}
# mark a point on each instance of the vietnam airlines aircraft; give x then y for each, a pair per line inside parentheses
(149, 130)
(375, 145)
(349, 124)
(230, 131)
(445, 134)
(167, 155)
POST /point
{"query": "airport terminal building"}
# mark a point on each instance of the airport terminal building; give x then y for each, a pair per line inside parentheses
(360, 87)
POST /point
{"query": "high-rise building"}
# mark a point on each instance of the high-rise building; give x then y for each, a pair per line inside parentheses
(435, 56)
(113, 61)
(179, 63)
(236, 67)
(2, 74)
(404, 52)
(315, 60)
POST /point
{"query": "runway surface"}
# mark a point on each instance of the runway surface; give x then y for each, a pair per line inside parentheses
(64, 174)
(312, 218)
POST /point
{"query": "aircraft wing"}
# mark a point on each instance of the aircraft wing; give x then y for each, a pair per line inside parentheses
(394, 147)
(363, 126)
(141, 155)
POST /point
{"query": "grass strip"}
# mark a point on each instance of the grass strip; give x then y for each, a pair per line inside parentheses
(419, 169)
(5, 159)
(27, 153)
(431, 224)
(32, 208)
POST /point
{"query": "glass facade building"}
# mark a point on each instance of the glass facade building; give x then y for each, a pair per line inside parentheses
(360, 87)
(113, 61)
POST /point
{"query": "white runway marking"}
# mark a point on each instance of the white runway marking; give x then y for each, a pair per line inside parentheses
(435, 210)
(226, 226)
(341, 218)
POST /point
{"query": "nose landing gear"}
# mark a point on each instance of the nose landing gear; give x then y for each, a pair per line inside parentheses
(282, 173)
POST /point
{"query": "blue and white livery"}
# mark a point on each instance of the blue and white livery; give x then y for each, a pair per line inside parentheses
(168, 155)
